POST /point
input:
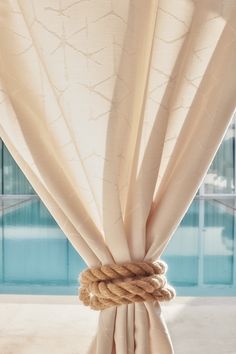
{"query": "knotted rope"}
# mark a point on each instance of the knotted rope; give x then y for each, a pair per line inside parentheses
(117, 284)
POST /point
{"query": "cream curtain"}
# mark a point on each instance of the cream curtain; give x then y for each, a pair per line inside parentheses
(114, 110)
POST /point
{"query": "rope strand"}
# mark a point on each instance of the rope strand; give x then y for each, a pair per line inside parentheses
(117, 284)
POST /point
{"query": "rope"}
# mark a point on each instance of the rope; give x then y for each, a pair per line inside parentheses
(118, 284)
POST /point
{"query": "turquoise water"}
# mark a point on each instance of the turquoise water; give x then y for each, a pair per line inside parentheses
(34, 251)
(36, 257)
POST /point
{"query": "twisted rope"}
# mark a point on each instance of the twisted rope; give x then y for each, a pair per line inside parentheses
(117, 284)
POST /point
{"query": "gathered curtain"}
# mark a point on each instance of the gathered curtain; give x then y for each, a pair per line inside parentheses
(114, 111)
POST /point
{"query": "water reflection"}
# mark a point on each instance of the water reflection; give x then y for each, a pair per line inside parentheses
(221, 174)
(209, 228)
(181, 254)
(34, 250)
(219, 235)
(13, 181)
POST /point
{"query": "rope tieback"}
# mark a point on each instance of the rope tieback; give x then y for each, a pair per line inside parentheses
(118, 284)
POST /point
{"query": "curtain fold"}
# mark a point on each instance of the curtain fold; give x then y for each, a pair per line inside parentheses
(114, 111)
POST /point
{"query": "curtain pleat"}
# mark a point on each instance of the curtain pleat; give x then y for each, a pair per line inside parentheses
(114, 111)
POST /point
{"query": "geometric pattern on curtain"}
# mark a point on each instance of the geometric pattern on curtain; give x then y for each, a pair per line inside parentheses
(114, 110)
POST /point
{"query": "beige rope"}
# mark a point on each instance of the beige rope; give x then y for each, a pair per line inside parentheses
(117, 284)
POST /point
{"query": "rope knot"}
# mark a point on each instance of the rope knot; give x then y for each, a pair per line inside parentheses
(117, 284)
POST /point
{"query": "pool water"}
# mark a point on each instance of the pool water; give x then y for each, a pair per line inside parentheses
(36, 257)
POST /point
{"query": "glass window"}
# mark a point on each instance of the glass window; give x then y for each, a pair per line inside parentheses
(181, 253)
(35, 249)
(221, 174)
(218, 242)
(13, 180)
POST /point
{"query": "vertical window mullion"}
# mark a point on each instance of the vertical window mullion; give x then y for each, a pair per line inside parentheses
(1, 233)
(2, 165)
(234, 122)
(234, 204)
(201, 241)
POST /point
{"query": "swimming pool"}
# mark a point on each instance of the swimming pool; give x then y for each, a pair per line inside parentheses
(36, 257)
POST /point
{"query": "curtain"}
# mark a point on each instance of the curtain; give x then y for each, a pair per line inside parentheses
(114, 110)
